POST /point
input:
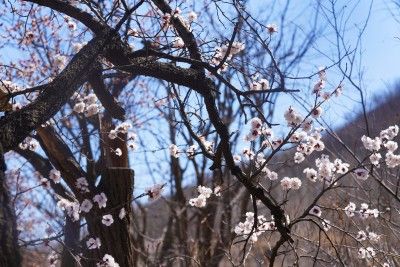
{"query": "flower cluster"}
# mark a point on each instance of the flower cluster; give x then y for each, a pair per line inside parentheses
(29, 143)
(292, 118)
(248, 229)
(221, 52)
(70, 207)
(371, 236)
(384, 140)
(82, 184)
(366, 253)
(261, 84)
(364, 211)
(290, 183)
(108, 261)
(87, 104)
(256, 127)
(204, 193)
(123, 128)
(326, 170)
(175, 152)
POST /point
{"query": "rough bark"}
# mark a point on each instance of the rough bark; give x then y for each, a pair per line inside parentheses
(117, 184)
(116, 239)
(15, 126)
(9, 252)
(71, 243)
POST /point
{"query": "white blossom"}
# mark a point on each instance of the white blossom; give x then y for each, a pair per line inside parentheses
(272, 28)
(174, 151)
(316, 211)
(82, 184)
(101, 200)
(350, 209)
(93, 243)
(107, 219)
(108, 261)
(155, 191)
(55, 175)
(79, 107)
(361, 174)
(86, 205)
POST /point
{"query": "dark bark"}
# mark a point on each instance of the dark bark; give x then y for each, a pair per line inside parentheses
(9, 252)
(106, 98)
(71, 243)
(15, 126)
(61, 156)
(116, 239)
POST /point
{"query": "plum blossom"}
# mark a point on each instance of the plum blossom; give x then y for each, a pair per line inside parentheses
(292, 117)
(55, 175)
(220, 52)
(371, 144)
(326, 225)
(174, 151)
(361, 174)
(391, 146)
(118, 152)
(93, 243)
(82, 184)
(316, 211)
(316, 113)
(389, 133)
(298, 157)
(53, 259)
(217, 191)
(101, 200)
(154, 192)
(107, 219)
(290, 183)
(311, 174)
(192, 16)
(361, 236)
(113, 134)
(79, 107)
(272, 28)
(86, 205)
(375, 158)
(198, 202)
(366, 253)
(108, 261)
(178, 43)
(91, 110)
(70, 207)
(247, 228)
(204, 193)
(350, 209)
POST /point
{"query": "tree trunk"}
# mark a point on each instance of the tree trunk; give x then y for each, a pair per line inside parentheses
(116, 239)
(71, 242)
(9, 251)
